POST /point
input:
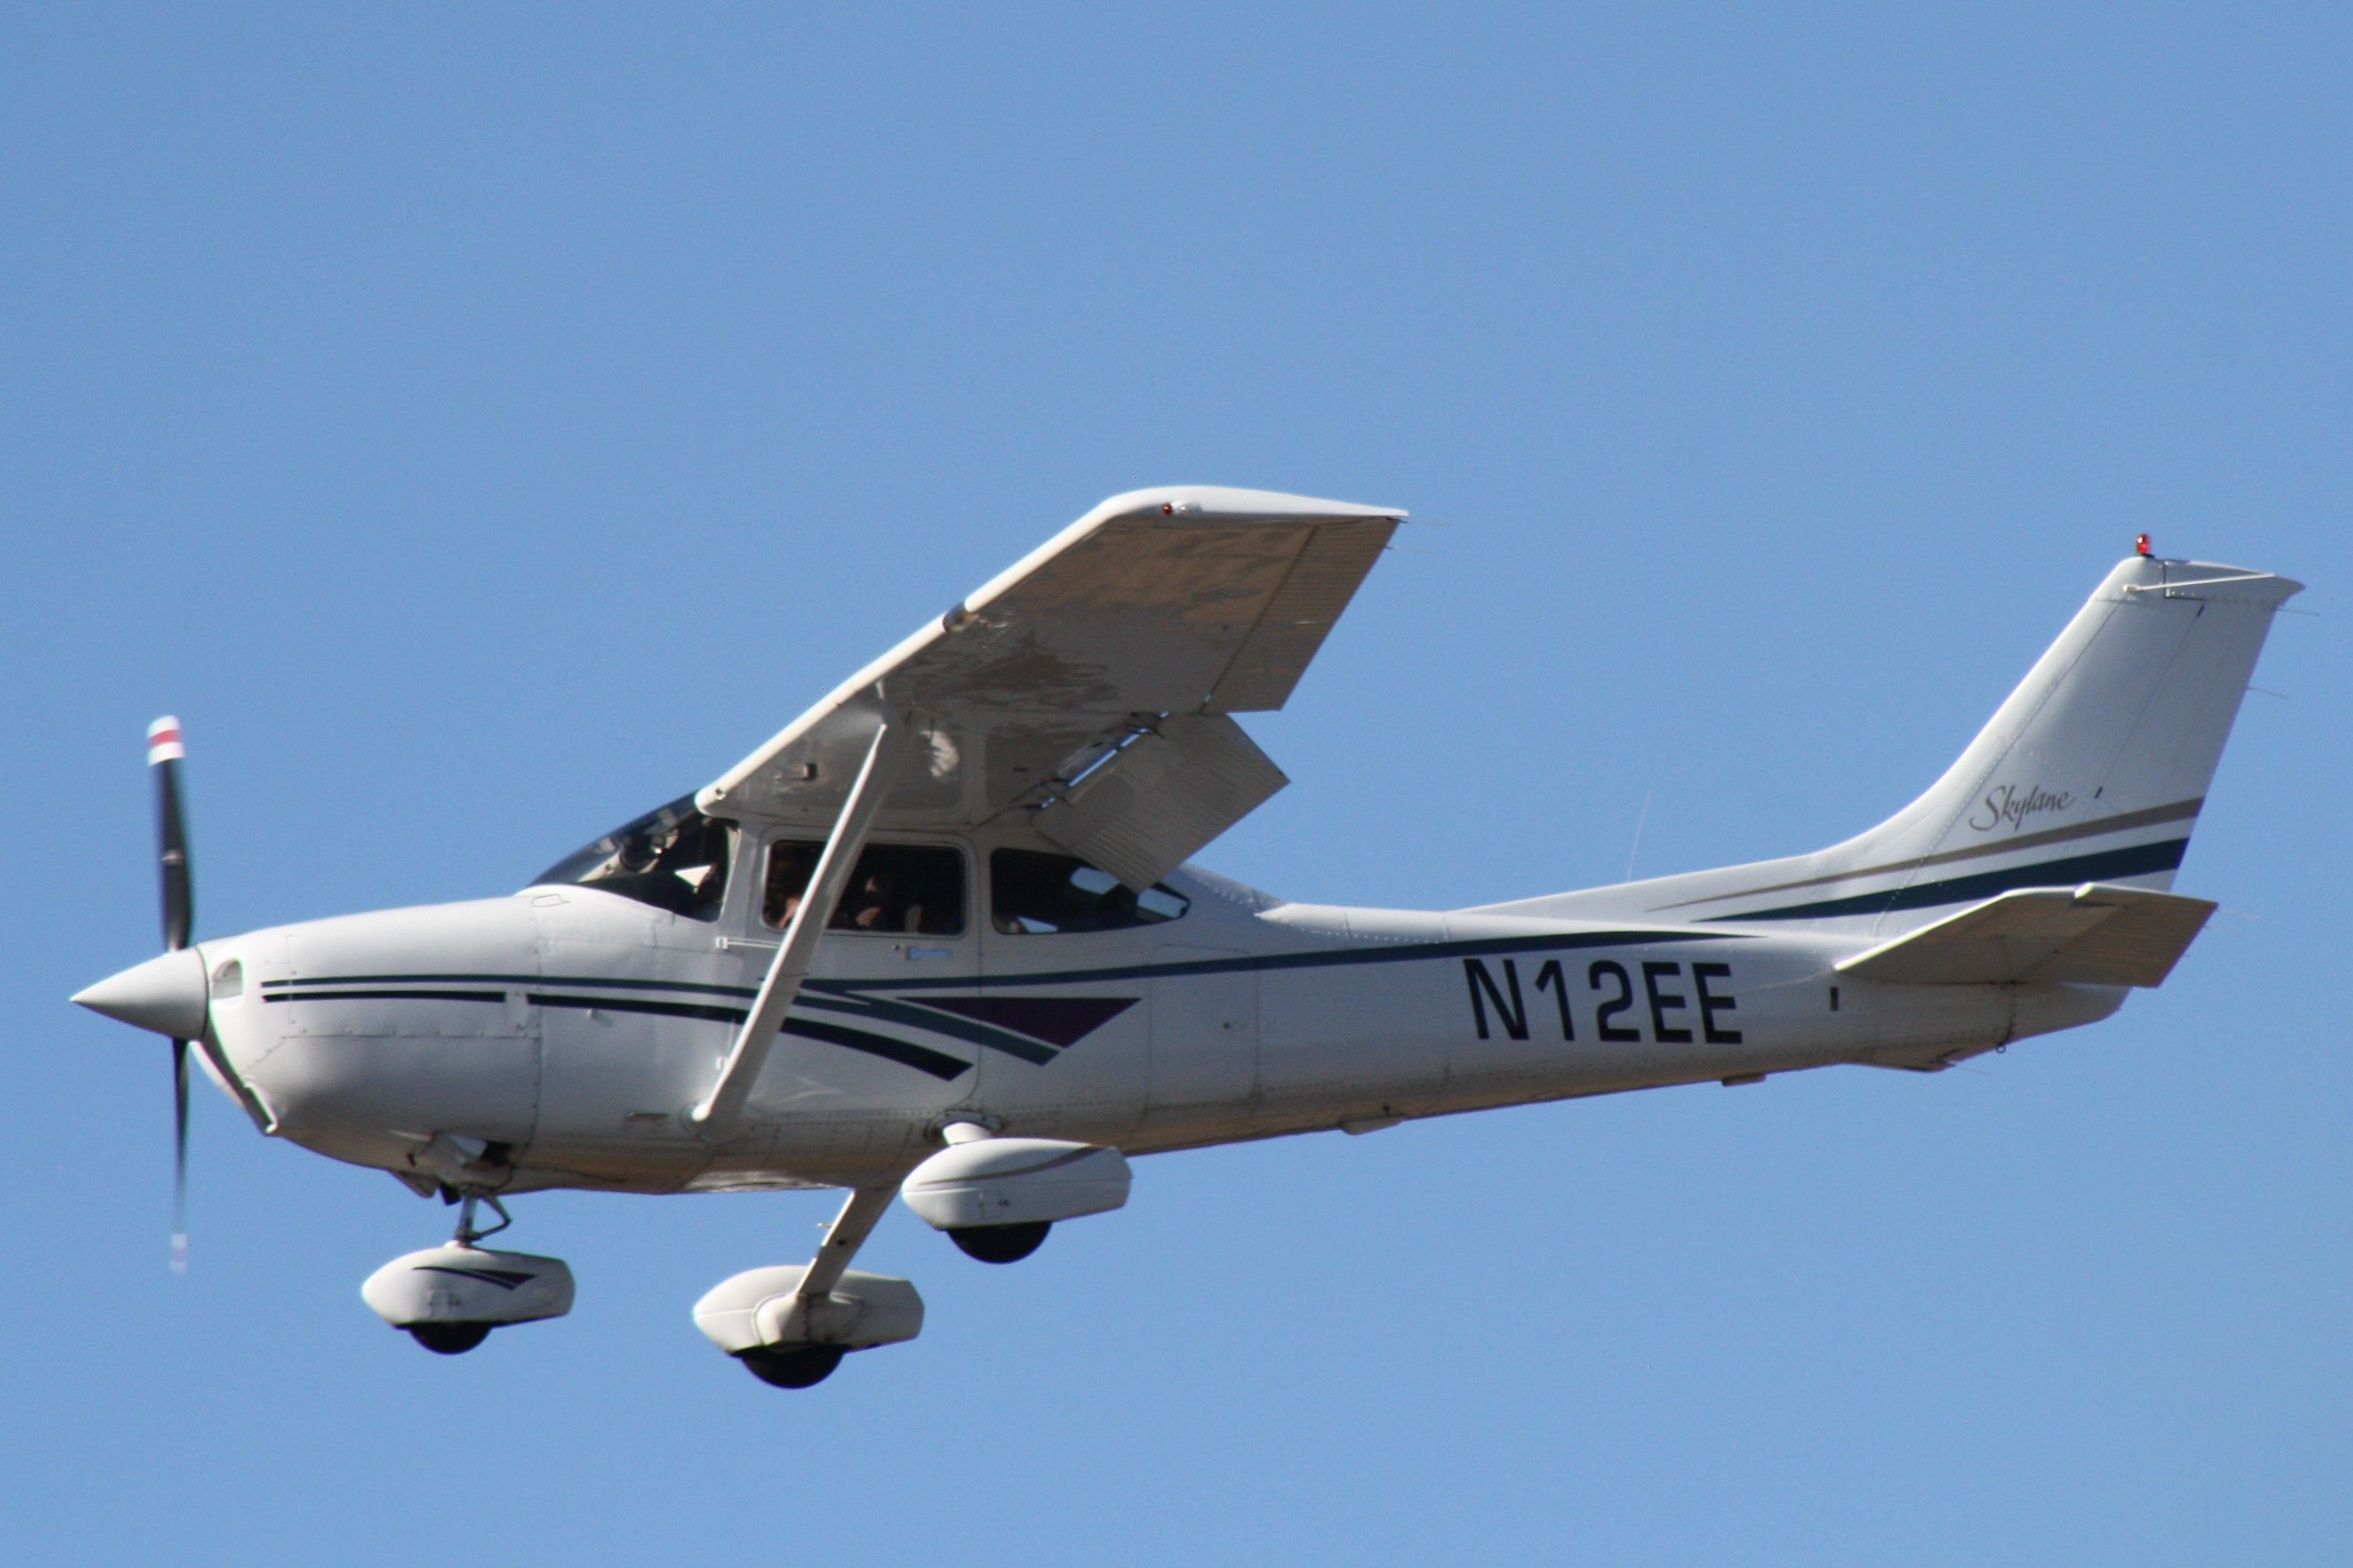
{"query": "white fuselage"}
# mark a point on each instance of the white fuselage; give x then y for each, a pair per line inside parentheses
(566, 1032)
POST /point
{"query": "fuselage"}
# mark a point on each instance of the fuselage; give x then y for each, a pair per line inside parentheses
(558, 1038)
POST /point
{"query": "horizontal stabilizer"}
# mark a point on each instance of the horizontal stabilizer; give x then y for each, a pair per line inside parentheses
(2091, 936)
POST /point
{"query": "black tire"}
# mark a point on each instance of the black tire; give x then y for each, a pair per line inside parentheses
(797, 1366)
(450, 1339)
(1001, 1243)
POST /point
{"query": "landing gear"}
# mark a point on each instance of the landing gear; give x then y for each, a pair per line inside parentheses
(456, 1339)
(450, 1339)
(467, 1235)
(791, 1326)
(448, 1298)
(799, 1366)
(1000, 1243)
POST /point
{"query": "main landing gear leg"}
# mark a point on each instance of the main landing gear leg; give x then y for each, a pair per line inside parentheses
(790, 1358)
(794, 1323)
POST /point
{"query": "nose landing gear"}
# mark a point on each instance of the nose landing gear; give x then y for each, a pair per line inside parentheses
(448, 1298)
(448, 1339)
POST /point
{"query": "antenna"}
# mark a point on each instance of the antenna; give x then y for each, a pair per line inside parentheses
(1636, 846)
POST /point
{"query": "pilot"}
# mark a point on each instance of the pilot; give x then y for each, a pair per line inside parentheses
(789, 866)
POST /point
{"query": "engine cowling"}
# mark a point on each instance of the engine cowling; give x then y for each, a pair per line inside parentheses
(1015, 1181)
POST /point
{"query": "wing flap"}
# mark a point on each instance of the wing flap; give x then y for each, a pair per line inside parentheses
(2095, 935)
(1159, 799)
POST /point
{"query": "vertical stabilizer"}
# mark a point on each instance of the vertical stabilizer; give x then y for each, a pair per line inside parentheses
(2093, 770)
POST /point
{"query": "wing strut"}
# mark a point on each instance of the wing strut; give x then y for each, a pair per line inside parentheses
(848, 1233)
(718, 1112)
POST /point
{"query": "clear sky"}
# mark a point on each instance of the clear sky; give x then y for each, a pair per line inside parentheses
(478, 424)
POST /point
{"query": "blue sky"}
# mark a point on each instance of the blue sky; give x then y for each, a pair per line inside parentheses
(480, 424)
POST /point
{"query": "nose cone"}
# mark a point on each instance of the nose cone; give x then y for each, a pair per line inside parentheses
(167, 994)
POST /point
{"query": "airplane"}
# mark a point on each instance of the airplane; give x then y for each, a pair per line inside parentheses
(938, 938)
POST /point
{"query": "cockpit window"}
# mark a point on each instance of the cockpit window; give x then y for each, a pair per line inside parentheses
(1032, 893)
(673, 858)
(895, 888)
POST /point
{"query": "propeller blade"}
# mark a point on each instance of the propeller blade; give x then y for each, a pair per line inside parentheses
(163, 754)
(180, 1156)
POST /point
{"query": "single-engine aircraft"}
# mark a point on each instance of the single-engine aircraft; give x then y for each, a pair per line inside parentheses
(938, 937)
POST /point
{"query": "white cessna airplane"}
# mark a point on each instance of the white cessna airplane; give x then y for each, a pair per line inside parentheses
(937, 937)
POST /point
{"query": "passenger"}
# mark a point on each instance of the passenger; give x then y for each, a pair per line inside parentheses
(869, 909)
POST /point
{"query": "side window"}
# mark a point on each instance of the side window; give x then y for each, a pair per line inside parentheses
(917, 888)
(1032, 894)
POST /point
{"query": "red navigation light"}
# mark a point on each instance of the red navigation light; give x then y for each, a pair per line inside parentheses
(2140, 544)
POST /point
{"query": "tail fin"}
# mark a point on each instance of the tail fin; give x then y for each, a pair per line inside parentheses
(2093, 770)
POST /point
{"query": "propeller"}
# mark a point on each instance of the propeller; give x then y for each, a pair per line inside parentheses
(164, 754)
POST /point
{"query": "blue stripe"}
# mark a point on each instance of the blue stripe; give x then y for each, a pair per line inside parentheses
(1260, 963)
(2139, 860)
(515, 980)
(1318, 958)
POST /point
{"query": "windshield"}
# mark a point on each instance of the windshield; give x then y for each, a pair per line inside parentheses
(673, 857)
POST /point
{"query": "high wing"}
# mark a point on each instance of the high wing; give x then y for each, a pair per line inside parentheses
(1092, 679)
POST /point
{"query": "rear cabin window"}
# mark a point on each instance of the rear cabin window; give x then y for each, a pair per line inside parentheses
(906, 888)
(1032, 893)
(673, 857)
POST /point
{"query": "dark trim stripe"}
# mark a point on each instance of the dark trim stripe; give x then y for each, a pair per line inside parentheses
(884, 1010)
(1060, 1021)
(745, 990)
(937, 1064)
(706, 1010)
(1263, 963)
(2140, 860)
(385, 996)
(905, 1053)
(2121, 822)
(504, 1278)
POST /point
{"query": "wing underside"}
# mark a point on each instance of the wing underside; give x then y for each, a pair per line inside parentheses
(1092, 679)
